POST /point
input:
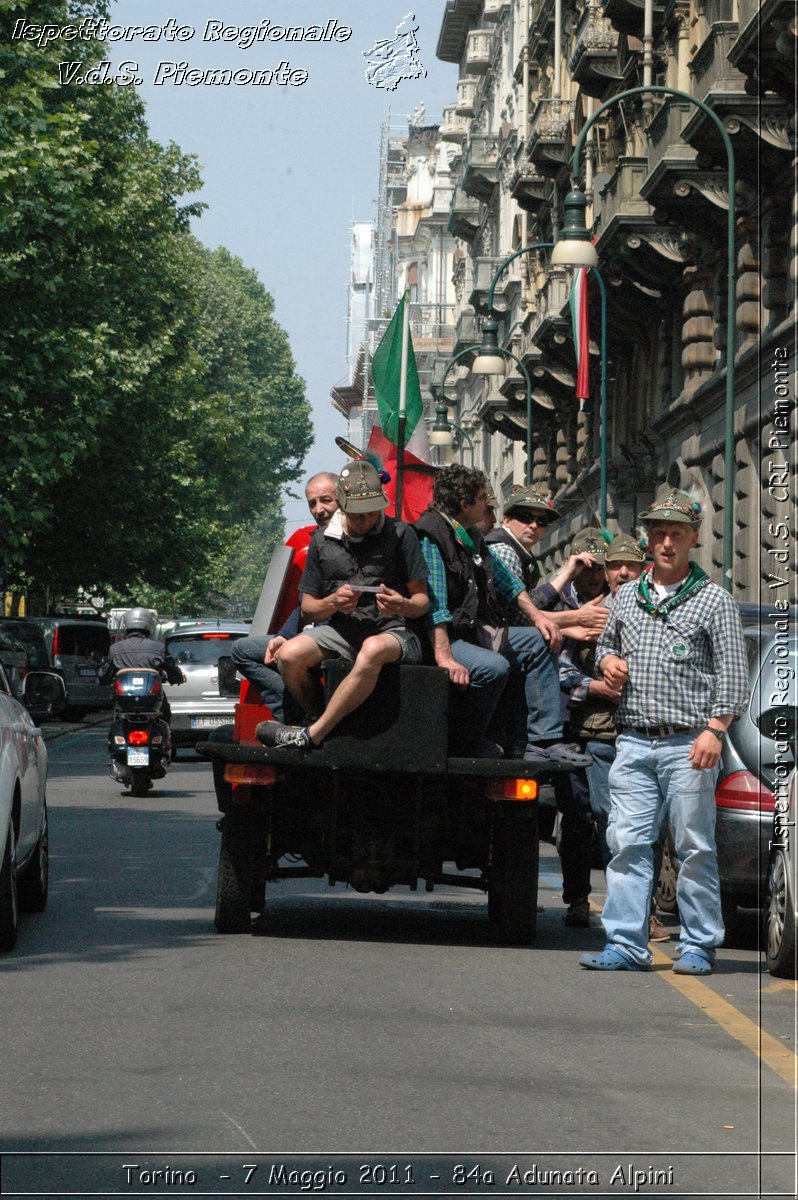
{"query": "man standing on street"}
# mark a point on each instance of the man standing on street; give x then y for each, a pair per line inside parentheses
(674, 648)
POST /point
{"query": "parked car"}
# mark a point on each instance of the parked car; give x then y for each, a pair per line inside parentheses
(197, 706)
(744, 796)
(31, 637)
(76, 646)
(24, 847)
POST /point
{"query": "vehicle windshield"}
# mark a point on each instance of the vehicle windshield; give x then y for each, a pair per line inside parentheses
(85, 640)
(31, 638)
(203, 649)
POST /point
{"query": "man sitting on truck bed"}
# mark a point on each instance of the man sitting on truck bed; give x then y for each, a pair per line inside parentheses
(469, 634)
(366, 576)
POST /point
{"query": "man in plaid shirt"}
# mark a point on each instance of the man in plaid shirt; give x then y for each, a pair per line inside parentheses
(674, 647)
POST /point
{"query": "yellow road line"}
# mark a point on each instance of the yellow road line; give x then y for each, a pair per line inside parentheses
(773, 1053)
(769, 1050)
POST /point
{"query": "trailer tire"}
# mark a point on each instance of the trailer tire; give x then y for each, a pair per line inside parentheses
(513, 890)
(237, 873)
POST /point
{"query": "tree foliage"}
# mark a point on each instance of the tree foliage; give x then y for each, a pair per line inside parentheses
(150, 408)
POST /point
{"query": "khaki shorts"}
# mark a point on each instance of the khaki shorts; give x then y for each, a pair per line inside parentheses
(336, 646)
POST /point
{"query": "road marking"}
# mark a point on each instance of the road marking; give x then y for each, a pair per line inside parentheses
(769, 1050)
(781, 985)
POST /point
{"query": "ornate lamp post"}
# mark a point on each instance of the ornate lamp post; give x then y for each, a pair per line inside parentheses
(575, 248)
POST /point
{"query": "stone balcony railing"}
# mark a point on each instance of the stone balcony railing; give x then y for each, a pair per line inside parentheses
(464, 215)
(478, 51)
(481, 165)
(454, 127)
(467, 89)
(493, 9)
(594, 59)
(547, 146)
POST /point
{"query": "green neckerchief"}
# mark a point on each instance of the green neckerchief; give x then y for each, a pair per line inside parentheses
(464, 537)
(694, 581)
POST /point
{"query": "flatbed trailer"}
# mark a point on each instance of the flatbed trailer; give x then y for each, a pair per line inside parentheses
(379, 805)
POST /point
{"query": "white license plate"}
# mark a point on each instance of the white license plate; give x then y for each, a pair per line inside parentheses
(137, 758)
(209, 722)
(87, 672)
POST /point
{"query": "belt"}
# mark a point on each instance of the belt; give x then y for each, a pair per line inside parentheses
(657, 731)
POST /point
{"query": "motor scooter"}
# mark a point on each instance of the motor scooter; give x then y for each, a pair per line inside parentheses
(139, 742)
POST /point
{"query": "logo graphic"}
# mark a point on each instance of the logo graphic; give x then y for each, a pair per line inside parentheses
(390, 60)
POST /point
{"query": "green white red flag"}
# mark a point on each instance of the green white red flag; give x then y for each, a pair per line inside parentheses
(386, 379)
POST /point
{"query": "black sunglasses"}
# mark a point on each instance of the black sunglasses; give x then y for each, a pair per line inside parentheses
(528, 518)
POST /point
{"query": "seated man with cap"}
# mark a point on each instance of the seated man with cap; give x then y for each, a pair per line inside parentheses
(366, 577)
(527, 515)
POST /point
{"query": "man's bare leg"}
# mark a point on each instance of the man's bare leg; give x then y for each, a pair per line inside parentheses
(358, 685)
(296, 659)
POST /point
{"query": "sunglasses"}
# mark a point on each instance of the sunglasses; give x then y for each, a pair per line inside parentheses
(527, 518)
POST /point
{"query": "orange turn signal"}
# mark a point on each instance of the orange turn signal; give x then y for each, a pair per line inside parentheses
(513, 789)
(250, 773)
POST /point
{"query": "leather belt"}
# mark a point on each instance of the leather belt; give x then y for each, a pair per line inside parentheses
(657, 731)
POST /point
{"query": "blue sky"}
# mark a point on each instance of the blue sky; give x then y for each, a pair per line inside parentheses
(287, 169)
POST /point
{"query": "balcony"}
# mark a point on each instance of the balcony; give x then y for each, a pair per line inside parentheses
(623, 210)
(467, 89)
(467, 332)
(527, 186)
(481, 166)
(627, 16)
(765, 48)
(484, 271)
(494, 9)
(464, 216)
(454, 128)
(594, 61)
(548, 146)
(478, 51)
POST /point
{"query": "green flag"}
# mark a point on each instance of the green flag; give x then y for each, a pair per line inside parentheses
(386, 374)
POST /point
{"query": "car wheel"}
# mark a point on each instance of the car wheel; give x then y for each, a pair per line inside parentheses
(665, 892)
(34, 880)
(513, 887)
(779, 921)
(9, 902)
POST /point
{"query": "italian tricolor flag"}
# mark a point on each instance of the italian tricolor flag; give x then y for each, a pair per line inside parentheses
(581, 332)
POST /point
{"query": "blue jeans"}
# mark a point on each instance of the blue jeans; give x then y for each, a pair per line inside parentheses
(528, 656)
(247, 654)
(651, 782)
(598, 778)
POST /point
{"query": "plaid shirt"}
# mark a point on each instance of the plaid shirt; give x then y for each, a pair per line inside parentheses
(683, 668)
(544, 596)
(506, 584)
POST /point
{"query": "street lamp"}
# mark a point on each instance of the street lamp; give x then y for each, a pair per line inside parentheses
(491, 356)
(571, 250)
(441, 432)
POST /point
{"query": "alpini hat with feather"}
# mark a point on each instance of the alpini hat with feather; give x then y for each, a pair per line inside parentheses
(673, 505)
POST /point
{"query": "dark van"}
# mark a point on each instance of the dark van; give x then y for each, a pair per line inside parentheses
(77, 646)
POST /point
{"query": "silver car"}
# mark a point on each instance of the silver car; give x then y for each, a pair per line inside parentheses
(197, 707)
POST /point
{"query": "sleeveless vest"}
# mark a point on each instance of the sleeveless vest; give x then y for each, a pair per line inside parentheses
(471, 593)
(530, 571)
(374, 560)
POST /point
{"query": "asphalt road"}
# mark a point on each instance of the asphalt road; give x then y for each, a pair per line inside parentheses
(388, 1030)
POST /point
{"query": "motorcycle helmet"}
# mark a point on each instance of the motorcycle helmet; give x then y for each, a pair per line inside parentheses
(141, 619)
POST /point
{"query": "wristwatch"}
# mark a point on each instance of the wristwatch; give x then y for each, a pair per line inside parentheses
(719, 733)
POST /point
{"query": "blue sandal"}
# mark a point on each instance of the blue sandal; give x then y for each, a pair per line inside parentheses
(610, 959)
(692, 962)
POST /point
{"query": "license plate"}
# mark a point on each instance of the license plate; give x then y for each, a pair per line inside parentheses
(87, 672)
(137, 758)
(209, 722)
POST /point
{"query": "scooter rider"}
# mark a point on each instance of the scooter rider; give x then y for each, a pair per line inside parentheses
(138, 648)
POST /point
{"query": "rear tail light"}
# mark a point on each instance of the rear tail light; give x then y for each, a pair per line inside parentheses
(56, 640)
(743, 791)
(512, 789)
(138, 737)
(217, 636)
(250, 773)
